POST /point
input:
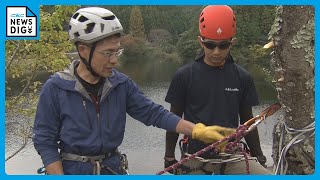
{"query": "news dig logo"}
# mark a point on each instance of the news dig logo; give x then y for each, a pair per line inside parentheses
(21, 22)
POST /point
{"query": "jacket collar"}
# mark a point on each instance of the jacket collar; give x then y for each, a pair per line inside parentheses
(200, 56)
(67, 80)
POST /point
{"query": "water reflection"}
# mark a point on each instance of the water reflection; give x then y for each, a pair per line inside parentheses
(155, 71)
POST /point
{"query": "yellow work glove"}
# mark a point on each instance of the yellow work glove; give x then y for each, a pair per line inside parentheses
(210, 134)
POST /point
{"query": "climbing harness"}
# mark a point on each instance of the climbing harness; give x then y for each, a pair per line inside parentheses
(242, 130)
(216, 165)
(96, 161)
(234, 152)
(300, 136)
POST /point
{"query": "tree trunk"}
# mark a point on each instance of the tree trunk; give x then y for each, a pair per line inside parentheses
(293, 65)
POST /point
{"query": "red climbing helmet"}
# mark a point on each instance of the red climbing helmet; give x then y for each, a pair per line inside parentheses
(217, 22)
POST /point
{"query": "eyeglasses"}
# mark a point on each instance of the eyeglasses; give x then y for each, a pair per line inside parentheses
(112, 54)
(212, 45)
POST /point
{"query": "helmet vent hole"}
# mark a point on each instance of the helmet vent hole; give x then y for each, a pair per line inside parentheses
(109, 18)
(201, 20)
(75, 16)
(90, 27)
(76, 34)
(204, 26)
(102, 27)
(82, 19)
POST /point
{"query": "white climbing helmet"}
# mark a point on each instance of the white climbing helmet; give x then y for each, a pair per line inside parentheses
(89, 25)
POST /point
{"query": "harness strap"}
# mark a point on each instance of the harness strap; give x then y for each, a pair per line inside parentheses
(76, 157)
(97, 168)
(95, 160)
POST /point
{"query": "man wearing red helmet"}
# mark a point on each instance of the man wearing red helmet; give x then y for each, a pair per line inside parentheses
(213, 90)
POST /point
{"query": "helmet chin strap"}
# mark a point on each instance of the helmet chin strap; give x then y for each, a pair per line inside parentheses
(88, 65)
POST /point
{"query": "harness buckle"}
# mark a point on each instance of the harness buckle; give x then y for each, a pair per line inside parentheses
(84, 159)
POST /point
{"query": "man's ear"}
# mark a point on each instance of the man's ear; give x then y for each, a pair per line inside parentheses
(199, 40)
(83, 51)
(234, 41)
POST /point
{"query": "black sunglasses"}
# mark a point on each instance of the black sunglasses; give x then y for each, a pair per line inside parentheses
(212, 45)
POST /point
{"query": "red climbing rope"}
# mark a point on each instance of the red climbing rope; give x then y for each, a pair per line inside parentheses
(242, 130)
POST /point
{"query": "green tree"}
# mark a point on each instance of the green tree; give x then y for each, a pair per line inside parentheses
(26, 59)
(136, 27)
(253, 23)
(175, 19)
(151, 18)
(188, 45)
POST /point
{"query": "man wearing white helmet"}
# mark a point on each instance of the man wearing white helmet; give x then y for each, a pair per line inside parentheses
(214, 90)
(81, 114)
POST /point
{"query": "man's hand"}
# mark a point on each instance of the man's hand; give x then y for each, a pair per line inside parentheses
(210, 134)
(55, 168)
(169, 162)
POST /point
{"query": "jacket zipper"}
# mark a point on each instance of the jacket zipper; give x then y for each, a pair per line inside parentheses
(108, 120)
(96, 104)
(87, 113)
(107, 104)
(95, 100)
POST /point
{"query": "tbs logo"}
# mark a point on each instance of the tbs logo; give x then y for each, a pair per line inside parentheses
(17, 15)
(21, 22)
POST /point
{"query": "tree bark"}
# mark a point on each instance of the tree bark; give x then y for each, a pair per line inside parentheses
(293, 65)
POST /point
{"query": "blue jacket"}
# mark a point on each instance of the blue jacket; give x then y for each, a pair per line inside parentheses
(67, 118)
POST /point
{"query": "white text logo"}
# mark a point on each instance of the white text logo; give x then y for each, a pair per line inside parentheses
(231, 89)
(21, 22)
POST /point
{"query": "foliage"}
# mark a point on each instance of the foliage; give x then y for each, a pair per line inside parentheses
(136, 50)
(174, 19)
(188, 45)
(257, 51)
(26, 59)
(159, 37)
(133, 45)
(136, 23)
(253, 23)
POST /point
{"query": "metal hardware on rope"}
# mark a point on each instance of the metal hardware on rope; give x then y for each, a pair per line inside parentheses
(231, 158)
(240, 133)
(300, 136)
